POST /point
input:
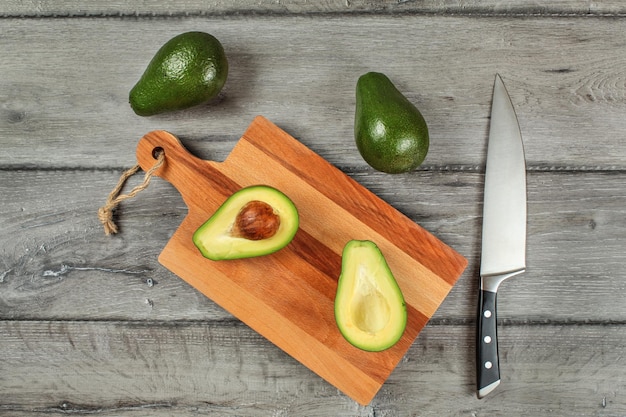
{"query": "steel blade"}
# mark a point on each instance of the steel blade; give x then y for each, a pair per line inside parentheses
(504, 211)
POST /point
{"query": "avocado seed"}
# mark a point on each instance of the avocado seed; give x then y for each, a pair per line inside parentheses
(256, 221)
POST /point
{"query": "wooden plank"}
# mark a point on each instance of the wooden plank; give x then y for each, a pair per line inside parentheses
(225, 369)
(53, 249)
(172, 8)
(564, 77)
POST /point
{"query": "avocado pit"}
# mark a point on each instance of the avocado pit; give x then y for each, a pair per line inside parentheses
(256, 220)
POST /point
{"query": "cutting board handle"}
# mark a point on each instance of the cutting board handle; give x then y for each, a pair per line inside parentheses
(183, 170)
(149, 147)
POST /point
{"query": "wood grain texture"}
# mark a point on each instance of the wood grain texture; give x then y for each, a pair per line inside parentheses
(564, 76)
(60, 271)
(53, 249)
(225, 369)
(288, 296)
(172, 8)
(94, 325)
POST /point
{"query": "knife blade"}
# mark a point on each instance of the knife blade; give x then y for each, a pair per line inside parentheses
(503, 252)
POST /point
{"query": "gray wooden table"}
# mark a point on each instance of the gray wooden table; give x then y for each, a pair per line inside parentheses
(92, 324)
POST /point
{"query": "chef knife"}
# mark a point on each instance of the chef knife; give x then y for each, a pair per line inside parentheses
(503, 252)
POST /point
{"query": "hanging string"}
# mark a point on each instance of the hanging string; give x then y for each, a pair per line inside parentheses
(105, 213)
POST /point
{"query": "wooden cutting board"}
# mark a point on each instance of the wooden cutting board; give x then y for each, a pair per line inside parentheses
(288, 297)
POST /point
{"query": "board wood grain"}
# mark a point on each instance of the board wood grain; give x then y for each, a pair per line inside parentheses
(288, 296)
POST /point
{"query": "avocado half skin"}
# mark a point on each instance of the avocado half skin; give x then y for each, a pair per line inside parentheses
(213, 237)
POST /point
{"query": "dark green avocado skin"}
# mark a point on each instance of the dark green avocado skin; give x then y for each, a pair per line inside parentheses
(188, 70)
(390, 132)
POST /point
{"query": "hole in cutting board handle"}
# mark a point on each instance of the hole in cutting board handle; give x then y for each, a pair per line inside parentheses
(156, 152)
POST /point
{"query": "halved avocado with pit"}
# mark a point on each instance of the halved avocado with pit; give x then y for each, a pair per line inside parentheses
(369, 306)
(254, 221)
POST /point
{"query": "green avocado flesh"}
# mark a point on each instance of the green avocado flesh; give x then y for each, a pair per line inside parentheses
(369, 307)
(390, 133)
(254, 221)
(188, 70)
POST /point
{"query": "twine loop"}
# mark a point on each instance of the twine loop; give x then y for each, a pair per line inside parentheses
(105, 213)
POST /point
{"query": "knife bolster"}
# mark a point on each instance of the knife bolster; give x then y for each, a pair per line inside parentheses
(492, 282)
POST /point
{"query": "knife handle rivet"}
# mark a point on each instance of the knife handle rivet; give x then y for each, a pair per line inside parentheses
(487, 313)
(487, 339)
(488, 365)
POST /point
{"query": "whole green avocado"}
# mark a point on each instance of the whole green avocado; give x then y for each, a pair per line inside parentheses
(390, 132)
(188, 70)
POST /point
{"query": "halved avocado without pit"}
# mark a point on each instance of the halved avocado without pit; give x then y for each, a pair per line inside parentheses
(254, 221)
(369, 306)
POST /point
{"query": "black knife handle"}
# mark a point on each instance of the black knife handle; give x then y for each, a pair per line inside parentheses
(487, 362)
